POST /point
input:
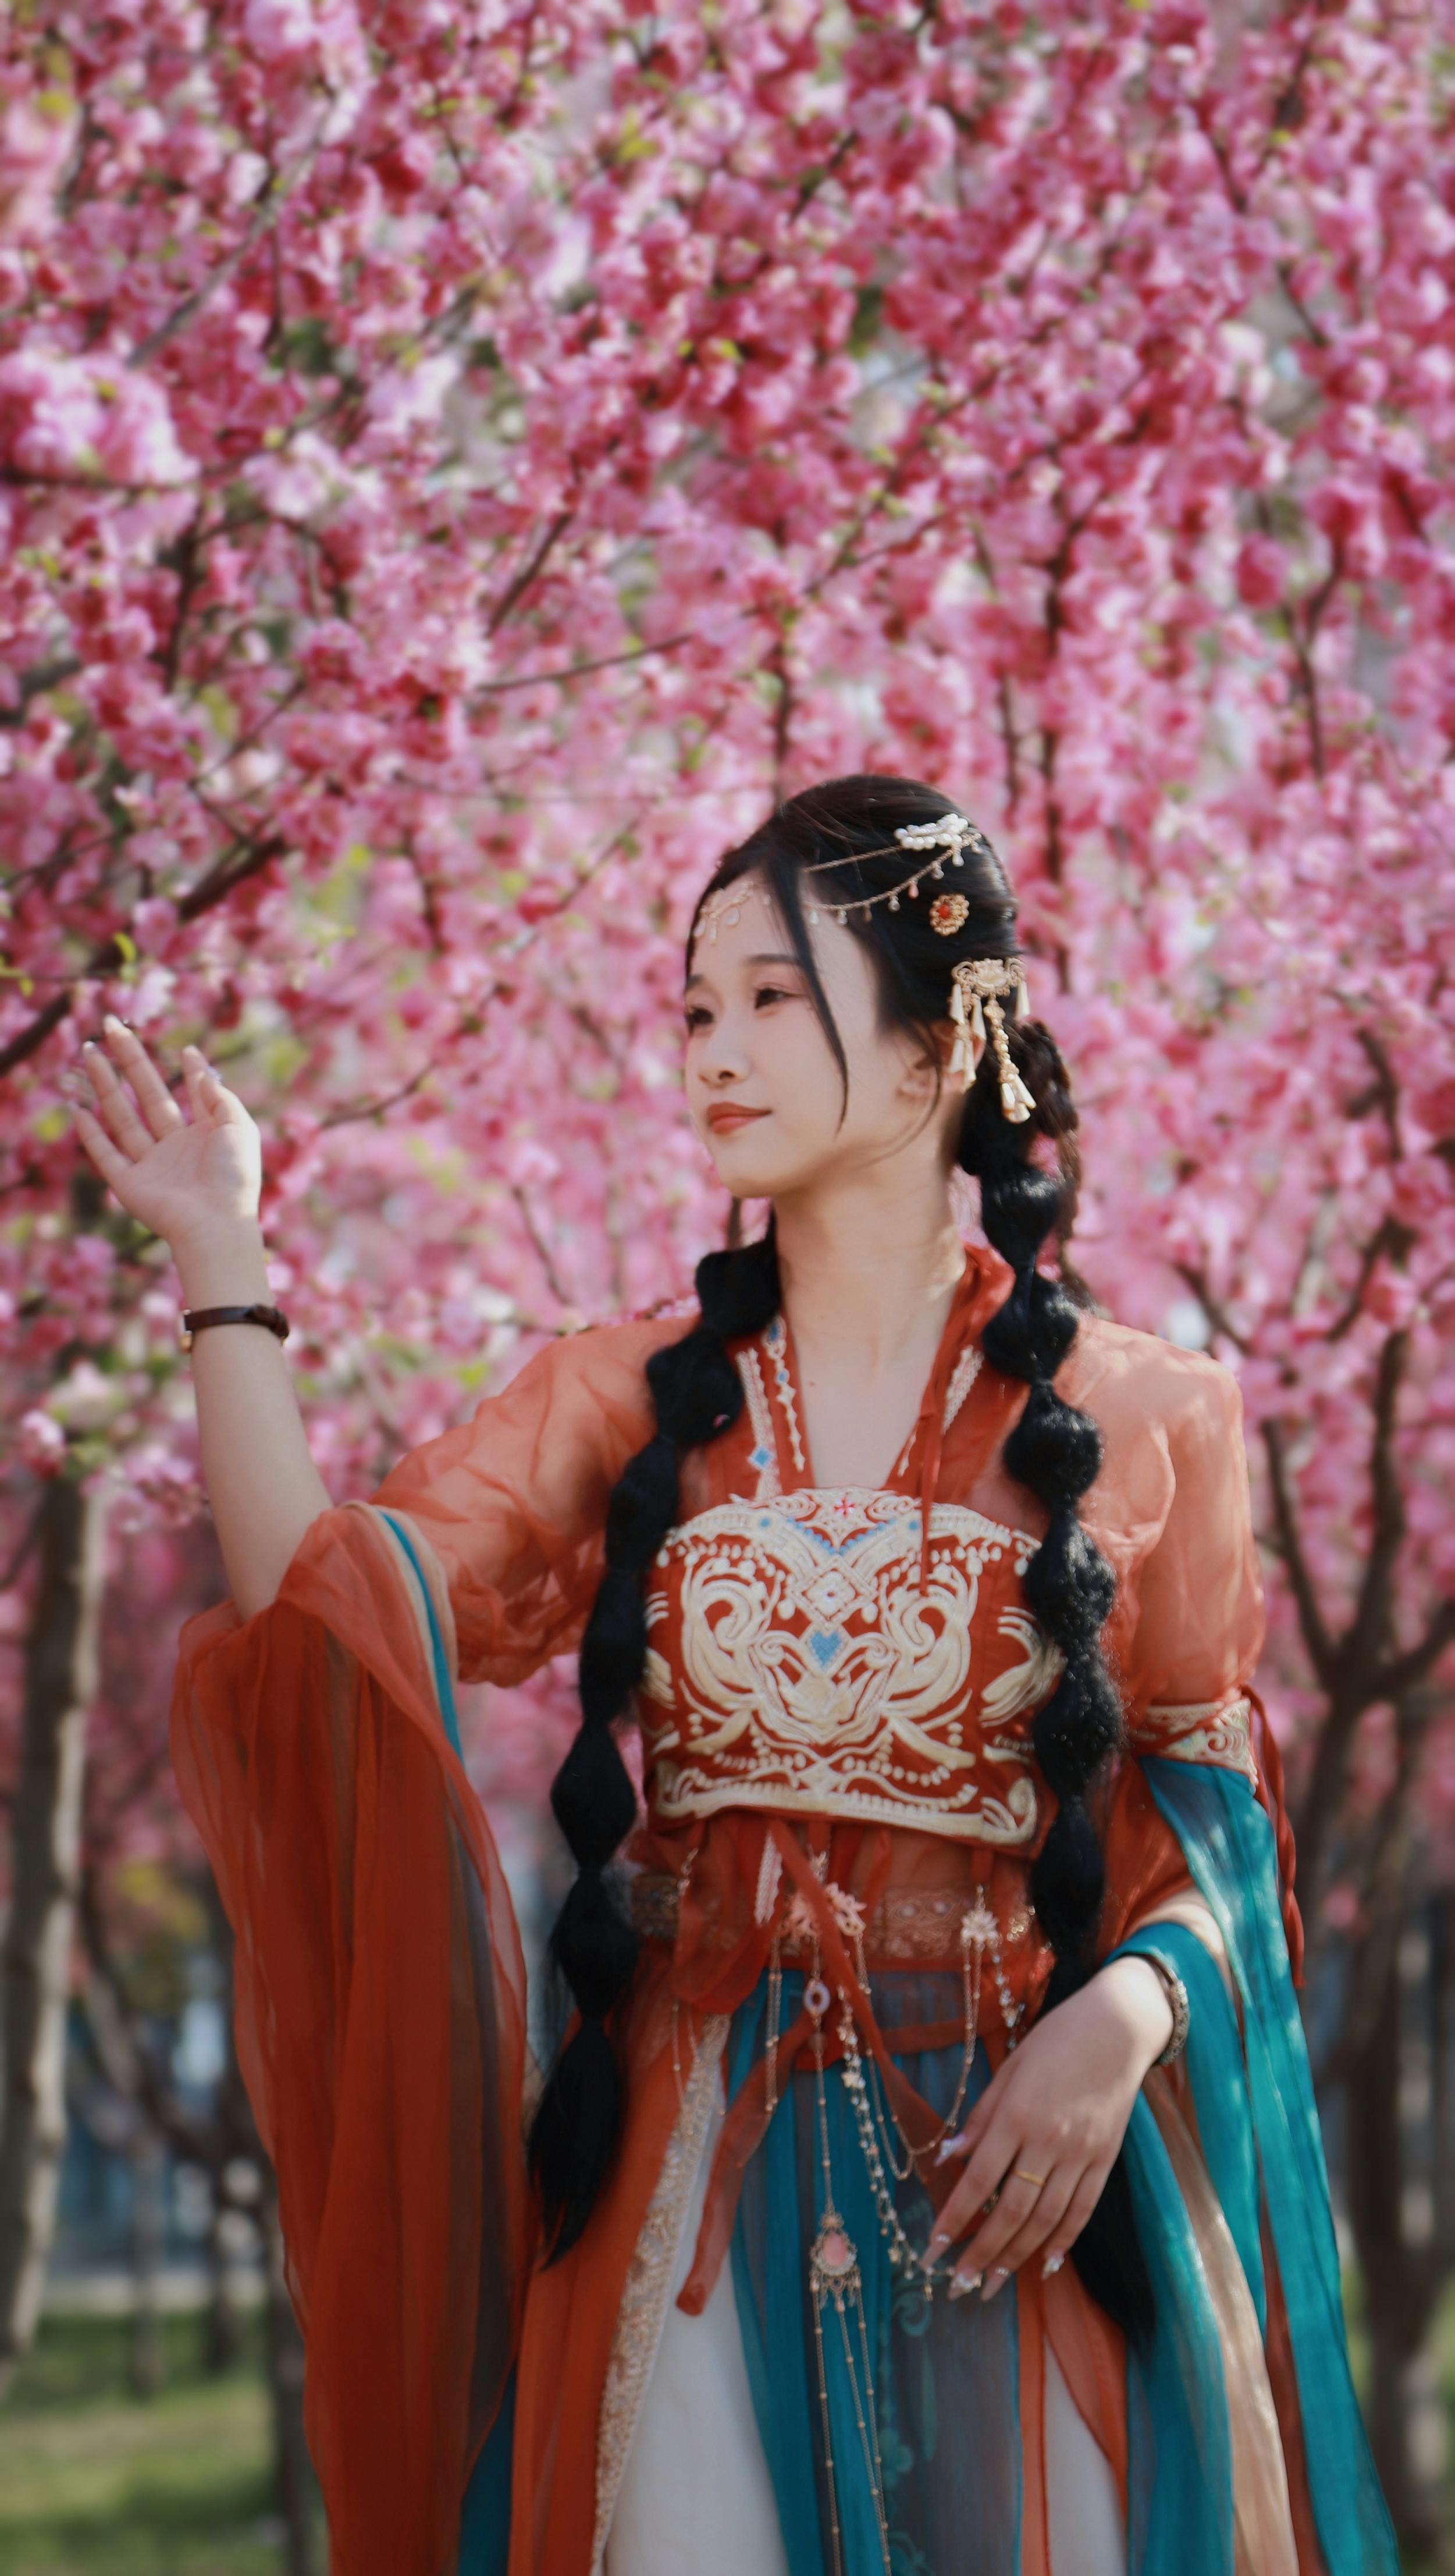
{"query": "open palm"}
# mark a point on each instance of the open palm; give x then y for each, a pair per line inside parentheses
(186, 1176)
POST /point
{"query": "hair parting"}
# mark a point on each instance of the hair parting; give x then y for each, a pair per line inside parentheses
(1054, 1450)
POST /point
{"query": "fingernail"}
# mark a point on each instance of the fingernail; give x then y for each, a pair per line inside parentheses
(949, 2147)
(963, 2283)
(935, 2248)
(1052, 2263)
(994, 2281)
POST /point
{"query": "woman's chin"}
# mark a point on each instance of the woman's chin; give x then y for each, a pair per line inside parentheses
(743, 1168)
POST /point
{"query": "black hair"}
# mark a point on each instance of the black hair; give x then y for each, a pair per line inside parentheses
(1054, 1450)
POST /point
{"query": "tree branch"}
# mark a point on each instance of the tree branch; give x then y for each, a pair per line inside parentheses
(220, 881)
(1313, 1627)
(1369, 1630)
(274, 198)
(1212, 1306)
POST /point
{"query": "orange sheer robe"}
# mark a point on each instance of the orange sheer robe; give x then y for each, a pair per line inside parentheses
(379, 1979)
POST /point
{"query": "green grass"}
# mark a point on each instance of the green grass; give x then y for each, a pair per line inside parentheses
(92, 2478)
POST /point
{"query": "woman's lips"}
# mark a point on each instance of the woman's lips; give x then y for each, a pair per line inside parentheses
(727, 1115)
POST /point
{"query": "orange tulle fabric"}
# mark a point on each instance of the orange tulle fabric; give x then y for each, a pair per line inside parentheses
(380, 1989)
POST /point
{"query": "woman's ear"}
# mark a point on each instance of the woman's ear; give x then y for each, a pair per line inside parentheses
(946, 1038)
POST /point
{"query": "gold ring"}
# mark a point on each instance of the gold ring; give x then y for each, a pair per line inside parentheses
(1019, 2174)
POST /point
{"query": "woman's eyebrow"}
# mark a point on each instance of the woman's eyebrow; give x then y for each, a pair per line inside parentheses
(760, 957)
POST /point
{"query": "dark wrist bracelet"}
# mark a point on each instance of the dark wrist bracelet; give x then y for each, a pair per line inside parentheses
(195, 1319)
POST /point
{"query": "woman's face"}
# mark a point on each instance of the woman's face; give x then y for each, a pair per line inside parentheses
(763, 1090)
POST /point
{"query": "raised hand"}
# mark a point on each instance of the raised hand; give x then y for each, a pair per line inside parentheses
(190, 1177)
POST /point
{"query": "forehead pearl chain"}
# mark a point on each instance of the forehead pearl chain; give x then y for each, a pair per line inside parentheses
(950, 833)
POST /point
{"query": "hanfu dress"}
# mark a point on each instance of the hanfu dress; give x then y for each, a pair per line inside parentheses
(738, 2366)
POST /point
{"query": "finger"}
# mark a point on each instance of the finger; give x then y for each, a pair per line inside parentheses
(1048, 2208)
(964, 2206)
(204, 1087)
(999, 2149)
(130, 1057)
(989, 2239)
(113, 1165)
(1078, 2209)
(113, 1106)
(221, 1107)
(978, 2120)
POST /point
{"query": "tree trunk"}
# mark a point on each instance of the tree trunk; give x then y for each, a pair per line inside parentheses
(222, 2334)
(35, 1967)
(1392, 2104)
(148, 2228)
(294, 2481)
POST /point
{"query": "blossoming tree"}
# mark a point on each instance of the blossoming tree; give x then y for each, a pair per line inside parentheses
(459, 461)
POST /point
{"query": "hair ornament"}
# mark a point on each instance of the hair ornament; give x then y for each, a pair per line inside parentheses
(951, 833)
(948, 832)
(726, 906)
(975, 992)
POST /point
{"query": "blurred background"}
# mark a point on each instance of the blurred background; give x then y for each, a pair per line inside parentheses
(458, 463)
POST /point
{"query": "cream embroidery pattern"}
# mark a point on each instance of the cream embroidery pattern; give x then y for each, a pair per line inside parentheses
(644, 2299)
(967, 1370)
(1219, 1731)
(814, 1674)
(763, 1456)
(775, 1342)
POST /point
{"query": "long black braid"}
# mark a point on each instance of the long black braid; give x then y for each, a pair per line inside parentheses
(1054, 1450)
(696, 1392)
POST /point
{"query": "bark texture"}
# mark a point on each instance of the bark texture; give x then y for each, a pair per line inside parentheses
(35, 1965)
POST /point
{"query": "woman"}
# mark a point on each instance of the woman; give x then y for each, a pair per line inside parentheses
(952, 1942)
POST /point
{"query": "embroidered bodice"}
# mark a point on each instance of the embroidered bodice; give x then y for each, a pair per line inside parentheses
(795, 1662)
(809, 1654)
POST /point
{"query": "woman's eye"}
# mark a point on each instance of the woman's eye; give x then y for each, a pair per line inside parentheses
(770, 993)
(695, 1018)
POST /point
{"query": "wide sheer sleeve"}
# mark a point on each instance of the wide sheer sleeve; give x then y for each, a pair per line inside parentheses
(513, 1503)
(378, 1979)
(1248, 2367)
(1198, 1612)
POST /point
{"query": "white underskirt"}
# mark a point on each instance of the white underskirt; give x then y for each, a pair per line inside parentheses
(696, 2498)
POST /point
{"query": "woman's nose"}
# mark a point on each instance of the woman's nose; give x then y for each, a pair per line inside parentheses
(724, 1057)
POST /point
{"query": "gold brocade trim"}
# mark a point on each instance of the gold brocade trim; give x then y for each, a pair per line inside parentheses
(644, 2299)
(907, 1923)
(1219, 1732)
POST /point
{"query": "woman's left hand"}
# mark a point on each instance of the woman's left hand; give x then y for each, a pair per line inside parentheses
(1047, 2127)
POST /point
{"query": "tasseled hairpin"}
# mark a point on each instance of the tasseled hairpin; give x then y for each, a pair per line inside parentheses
(975, 991)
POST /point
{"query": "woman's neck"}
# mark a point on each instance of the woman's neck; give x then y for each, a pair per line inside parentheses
(866, 1274)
